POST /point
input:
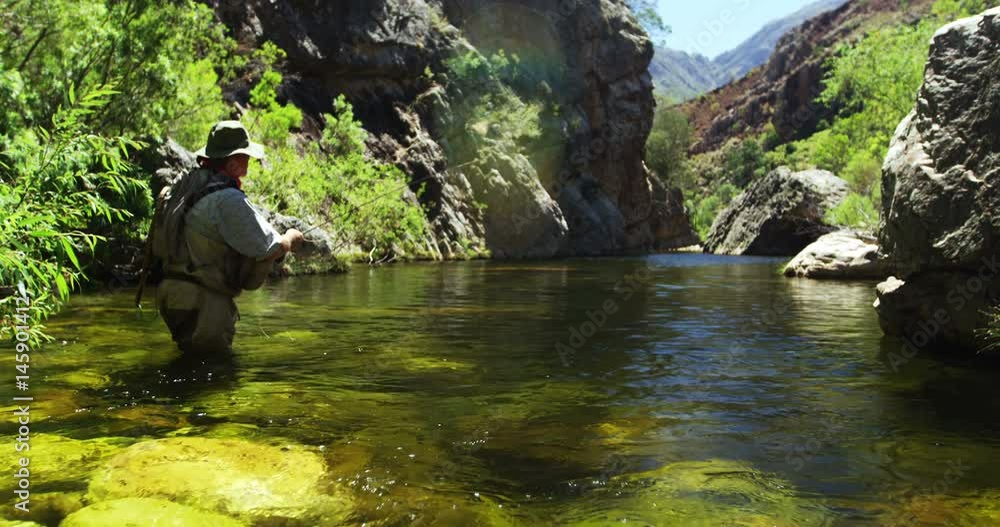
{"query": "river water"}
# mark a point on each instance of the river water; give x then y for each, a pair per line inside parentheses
(670, 390)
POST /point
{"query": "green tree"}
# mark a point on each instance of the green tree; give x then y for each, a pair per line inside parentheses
(142, 46)
(744, 163)
(668, 143)
(646, 13)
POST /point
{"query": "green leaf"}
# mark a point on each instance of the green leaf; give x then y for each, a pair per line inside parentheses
(61, 285)
(70, 252)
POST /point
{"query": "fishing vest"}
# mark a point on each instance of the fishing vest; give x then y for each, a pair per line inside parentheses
(188, 255)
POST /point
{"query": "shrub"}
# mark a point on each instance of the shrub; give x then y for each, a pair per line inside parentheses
(667, 145)
(948, 10)
(145, 48)
(59, 188)
(487, 99)
(744, 162)
(863, 172)
(704, 210)
(857, 210)
(331, 181)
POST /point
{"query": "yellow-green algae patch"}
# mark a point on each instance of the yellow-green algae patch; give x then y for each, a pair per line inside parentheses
(81, 379)
(248, 480)
(701, 493)
(433, 365)
(17, 523)
(142, 512)
(297, 334)
(56, 459)
(49, 508)
(56, 404)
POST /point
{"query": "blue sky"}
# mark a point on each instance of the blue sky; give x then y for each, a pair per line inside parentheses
(703, 26)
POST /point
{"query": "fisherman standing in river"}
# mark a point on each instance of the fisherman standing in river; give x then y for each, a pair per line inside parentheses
(212, 242)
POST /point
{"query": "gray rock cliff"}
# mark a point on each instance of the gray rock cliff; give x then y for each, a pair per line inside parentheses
(941, 191)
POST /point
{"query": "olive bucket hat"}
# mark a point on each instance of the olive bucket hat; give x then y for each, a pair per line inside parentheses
(229, 138)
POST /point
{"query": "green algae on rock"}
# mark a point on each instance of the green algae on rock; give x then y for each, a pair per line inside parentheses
(703, 493)
(65, 460)
(16, 523)
(49, 508)
(248, 480)
(146, 511)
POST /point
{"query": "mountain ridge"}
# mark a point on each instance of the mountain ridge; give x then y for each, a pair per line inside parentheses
(683, 75)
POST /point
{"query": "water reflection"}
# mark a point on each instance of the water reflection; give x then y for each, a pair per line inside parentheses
(585, 391)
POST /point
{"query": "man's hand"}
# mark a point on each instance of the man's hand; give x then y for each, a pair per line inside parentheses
(290, 241)
(295, 239)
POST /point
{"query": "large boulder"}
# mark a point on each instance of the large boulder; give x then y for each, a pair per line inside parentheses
(250, 481)
(841, 254)
(777, 215)
(941, 190)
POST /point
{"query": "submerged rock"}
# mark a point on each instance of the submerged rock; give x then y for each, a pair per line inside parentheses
(246, 480)
(18, 523)
(777, 215)
(941, 189)
(931, 510)
(63, 461)
(711, 492)
(841, 254)
(146, 511)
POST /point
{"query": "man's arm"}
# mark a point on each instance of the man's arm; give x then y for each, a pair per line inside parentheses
(254, 272)
(247, 232)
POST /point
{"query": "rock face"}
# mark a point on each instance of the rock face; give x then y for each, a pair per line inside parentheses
(256, 483)
(777, 215)
(841, 254)
(941, 190)
(589, 160)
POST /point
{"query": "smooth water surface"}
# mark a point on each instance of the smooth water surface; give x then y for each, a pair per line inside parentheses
(669, 390)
